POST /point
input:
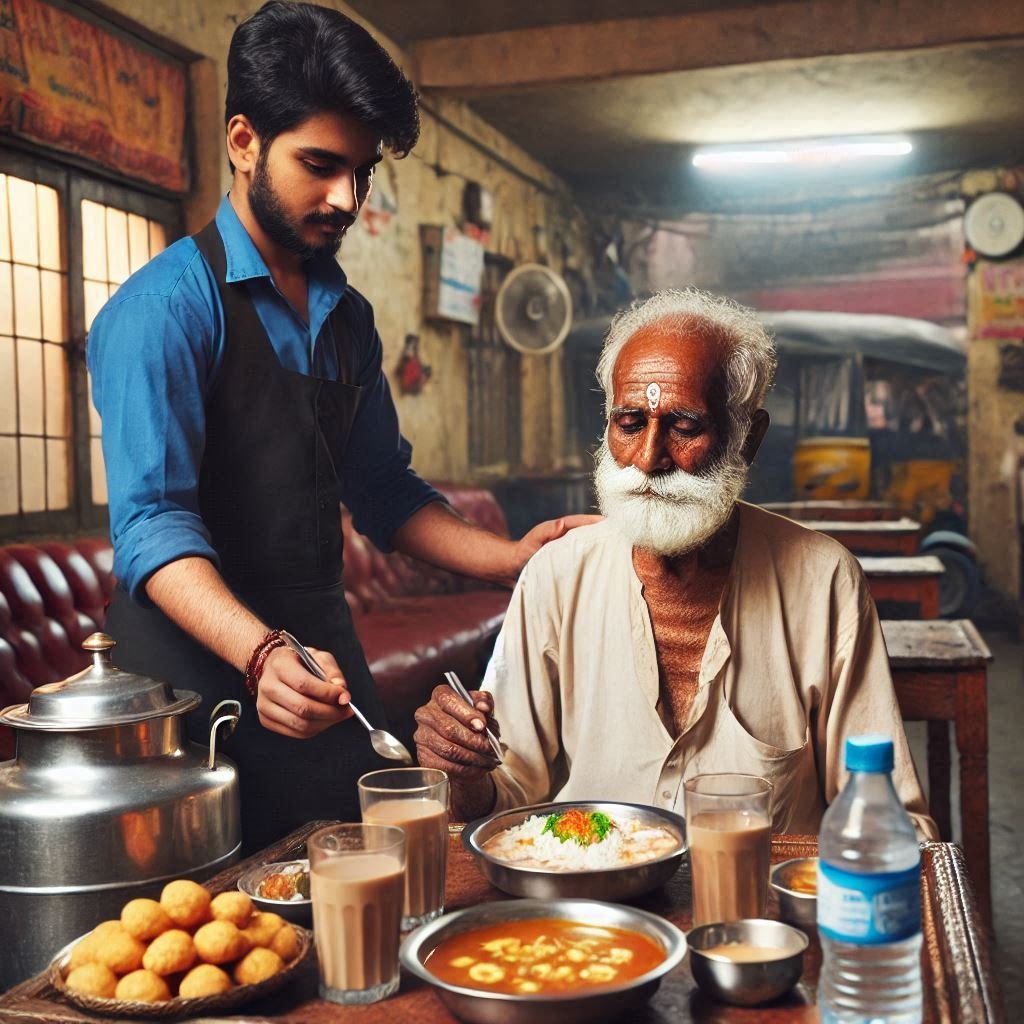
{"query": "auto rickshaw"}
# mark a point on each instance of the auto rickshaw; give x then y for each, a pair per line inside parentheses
(873, 407)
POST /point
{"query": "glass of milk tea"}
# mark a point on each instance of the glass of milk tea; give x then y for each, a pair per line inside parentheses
(728, 825)
(416, 800)
(357, 885)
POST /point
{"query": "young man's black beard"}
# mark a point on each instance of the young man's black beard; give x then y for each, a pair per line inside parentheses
(269, 213)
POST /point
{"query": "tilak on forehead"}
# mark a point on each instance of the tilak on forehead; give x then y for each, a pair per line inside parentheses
(653, 395)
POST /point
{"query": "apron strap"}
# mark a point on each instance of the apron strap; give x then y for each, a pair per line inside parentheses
(238, 306)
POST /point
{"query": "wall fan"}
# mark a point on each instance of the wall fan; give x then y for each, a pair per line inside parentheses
(994, 225)
(533, 309)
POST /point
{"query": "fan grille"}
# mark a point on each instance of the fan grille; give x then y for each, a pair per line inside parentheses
(534, 309)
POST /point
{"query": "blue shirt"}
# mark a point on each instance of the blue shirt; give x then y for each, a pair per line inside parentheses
(154, 352)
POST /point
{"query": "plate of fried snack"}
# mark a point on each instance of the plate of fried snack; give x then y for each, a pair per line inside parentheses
(190, 952)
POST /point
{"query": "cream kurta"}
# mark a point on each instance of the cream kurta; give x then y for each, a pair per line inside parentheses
(794, 663)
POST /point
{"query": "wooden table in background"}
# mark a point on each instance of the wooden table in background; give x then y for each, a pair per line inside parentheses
(940, 671)
(910, 581)
(837, 511)
(889, 537)
(959, 984)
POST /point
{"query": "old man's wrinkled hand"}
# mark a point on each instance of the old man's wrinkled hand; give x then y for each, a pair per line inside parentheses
(450, 734)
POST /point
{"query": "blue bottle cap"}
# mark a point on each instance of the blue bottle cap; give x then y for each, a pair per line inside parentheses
(869, 754)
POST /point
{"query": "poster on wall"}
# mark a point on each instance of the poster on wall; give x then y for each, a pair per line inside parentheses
(67, 83)
(462, 270)
(382, 204)
(1000, 305)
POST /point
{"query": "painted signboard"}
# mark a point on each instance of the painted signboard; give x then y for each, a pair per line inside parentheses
(67, 83)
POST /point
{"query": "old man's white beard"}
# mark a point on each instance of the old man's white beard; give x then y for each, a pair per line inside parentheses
(668, 513)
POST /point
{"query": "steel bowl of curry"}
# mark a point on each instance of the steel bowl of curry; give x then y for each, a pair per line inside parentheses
(578, 850)
(535, 961)
(795, 883)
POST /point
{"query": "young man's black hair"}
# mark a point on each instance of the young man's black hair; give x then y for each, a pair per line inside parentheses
(290, 61)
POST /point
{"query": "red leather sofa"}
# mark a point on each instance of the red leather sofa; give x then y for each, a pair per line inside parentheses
(415, 621)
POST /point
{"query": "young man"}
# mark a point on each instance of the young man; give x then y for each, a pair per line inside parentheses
(690, 632)
(239, 381)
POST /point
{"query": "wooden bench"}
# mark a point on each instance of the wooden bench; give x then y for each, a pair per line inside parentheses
(940, 671)
(912, 581)
(836, 511)
(889, 537)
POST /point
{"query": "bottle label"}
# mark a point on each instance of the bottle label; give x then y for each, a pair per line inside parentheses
(868, 909)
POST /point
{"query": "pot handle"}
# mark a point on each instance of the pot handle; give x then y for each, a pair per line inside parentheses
(226, 713)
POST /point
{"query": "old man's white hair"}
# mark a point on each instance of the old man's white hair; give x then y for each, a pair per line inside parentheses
(748, 363)
(674, 512)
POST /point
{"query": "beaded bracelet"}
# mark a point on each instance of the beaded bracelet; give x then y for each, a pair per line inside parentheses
(258, 658)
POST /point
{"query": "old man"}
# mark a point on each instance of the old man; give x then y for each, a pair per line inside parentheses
(689, 632)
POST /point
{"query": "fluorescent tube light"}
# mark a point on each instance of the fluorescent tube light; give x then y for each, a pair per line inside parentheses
(809, 153)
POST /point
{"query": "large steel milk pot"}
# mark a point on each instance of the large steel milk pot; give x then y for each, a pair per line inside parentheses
(104, 801)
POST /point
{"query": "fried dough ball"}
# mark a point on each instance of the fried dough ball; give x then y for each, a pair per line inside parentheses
(117, 949)
(145, 919)
(257, 965)
(144, 986)
(169, 953)
(220, 942)
(111, 927)
(92, 980)
(187, 903)
(204, 980)
(83, 952)
(263, 926)
(235, 907)
(286, 943)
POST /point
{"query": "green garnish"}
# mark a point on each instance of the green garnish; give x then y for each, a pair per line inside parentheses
(583, 827)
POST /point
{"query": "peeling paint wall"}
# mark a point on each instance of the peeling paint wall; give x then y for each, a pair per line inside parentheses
(383, 260)
(996, 434)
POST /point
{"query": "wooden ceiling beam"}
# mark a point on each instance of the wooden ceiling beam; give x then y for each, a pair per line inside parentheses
(596, 51)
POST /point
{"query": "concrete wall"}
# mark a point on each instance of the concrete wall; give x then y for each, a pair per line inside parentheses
(382, 259)
(899, 254)
(996, 433)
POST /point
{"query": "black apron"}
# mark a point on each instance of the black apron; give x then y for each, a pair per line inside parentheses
(269, 493)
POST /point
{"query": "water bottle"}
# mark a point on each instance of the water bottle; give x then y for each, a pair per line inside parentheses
(869, 897)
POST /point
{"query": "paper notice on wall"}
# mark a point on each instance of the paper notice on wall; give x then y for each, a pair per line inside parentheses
(462, 269)
(66, 82)
(1000, 295)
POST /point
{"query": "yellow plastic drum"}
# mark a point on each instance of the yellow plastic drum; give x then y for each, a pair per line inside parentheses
(832, 468)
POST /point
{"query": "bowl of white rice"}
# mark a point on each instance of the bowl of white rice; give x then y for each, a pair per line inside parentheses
(590, 850)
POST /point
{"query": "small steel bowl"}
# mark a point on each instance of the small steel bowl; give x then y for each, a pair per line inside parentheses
(753, 982)
(796, 907)
(297, 911)
(606, 1003)
(621, 883)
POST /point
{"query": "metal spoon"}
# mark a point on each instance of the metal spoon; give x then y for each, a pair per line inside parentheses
(380, 739)
(459, 687)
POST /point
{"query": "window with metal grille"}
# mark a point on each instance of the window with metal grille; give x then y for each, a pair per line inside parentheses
(494, 383)
(67, 241)
(35, 422)
(115, 243)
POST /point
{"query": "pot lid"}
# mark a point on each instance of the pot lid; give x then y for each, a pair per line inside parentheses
(101, 695)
